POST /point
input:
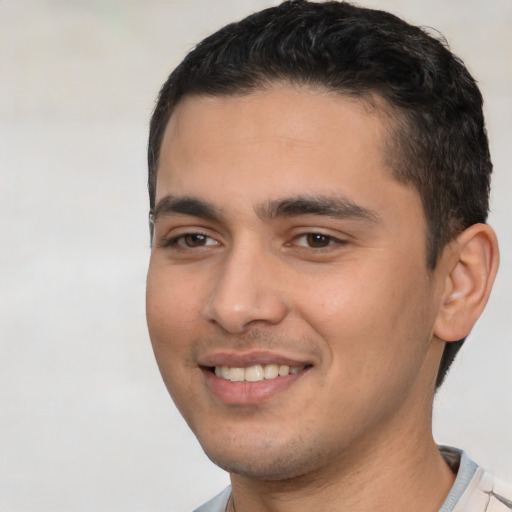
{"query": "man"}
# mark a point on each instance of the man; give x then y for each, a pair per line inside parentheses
(319, 180)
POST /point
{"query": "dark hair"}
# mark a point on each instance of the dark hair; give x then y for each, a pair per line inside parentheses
(433, 105)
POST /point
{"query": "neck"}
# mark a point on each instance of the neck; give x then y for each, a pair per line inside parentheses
(395, 472)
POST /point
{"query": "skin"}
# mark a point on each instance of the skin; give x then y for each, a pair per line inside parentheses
(243, 273)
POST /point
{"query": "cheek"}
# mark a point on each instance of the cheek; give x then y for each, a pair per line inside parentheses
(170, 313)
(172, 298)
(371, 318)
(169, 318)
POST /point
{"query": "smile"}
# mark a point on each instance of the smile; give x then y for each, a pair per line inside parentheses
(251, 377)
(256, 373)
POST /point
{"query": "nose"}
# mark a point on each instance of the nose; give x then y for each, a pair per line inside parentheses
(246, 292)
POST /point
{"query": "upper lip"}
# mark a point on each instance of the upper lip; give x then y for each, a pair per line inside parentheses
(245, 359)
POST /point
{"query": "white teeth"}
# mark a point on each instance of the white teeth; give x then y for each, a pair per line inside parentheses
(271, 371)
(222, 372)
(256, 372)
(236, 374)
(284, 370)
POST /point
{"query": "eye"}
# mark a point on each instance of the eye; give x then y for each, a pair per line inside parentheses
(191, 241)
(316, 240)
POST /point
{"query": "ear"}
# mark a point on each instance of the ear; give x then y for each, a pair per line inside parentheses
(470, 262)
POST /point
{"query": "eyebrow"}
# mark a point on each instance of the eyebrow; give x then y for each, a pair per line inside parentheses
(193, 206)
(336, 206)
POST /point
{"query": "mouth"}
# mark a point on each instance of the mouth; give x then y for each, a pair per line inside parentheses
(257, 372)
(251, 379)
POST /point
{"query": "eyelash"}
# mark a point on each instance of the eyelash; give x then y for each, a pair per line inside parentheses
(331, 240)
(174, 241)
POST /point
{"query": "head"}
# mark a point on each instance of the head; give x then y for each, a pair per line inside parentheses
(319, 178)
(437, 140)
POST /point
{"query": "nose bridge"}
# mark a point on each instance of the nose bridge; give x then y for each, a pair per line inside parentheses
(246, 289)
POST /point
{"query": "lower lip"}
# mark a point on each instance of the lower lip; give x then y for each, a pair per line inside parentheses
(248, 393)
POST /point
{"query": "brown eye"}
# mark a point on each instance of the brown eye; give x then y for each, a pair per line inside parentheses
(191, 241)
(317, 240)
(194, 240)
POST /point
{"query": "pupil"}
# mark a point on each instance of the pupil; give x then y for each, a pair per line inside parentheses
(195, 240)
(316, 240)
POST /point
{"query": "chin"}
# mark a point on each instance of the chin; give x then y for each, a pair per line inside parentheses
(269, 470)
(267, 461)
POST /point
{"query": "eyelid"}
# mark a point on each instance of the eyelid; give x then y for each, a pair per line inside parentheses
(174, 241)
(333, 240)
(171, 238)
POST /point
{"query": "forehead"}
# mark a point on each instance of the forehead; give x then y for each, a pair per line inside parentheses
(274, 131)
(277, 109)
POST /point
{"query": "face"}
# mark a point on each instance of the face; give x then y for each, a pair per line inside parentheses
(288, 300)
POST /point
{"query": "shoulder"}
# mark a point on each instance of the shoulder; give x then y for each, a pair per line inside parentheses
(500, 497)
(486, 493)
(475, 489)
(217, 504)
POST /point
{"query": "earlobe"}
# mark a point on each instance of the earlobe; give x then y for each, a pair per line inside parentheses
(472, 263)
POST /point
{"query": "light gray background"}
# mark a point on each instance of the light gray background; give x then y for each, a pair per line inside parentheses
(86, 424)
